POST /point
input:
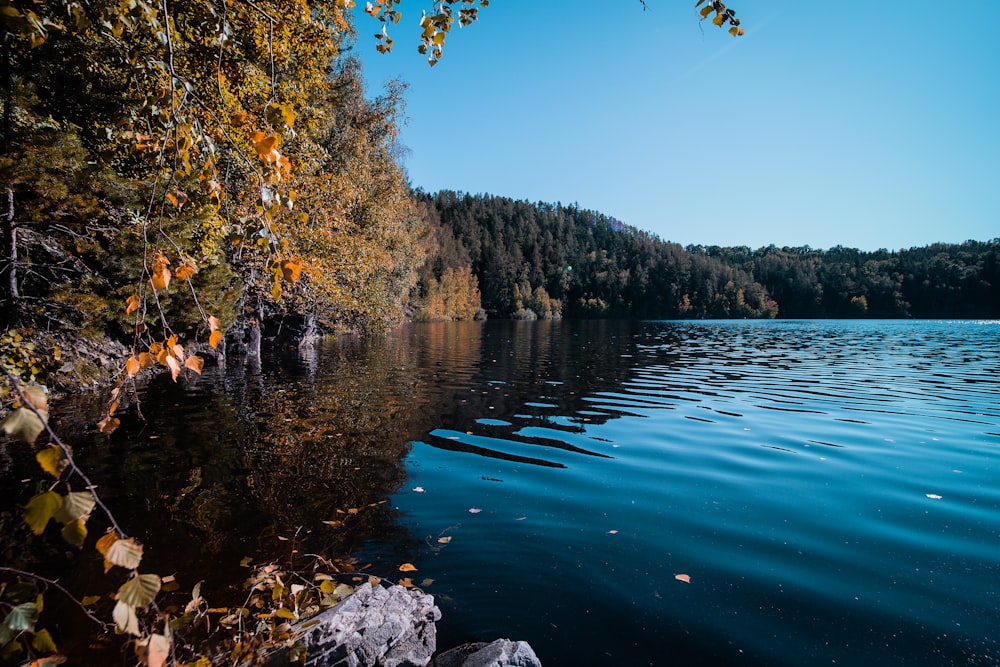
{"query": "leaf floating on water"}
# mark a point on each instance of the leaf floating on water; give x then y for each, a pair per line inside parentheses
(520, 518)
(612, 532)
(419, 489)
(407, 567)
(444, 540)
(683, 577)
(934, 496)
(426, 582)
(474, 510)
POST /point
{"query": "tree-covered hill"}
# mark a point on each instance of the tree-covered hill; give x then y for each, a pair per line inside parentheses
(555, 260)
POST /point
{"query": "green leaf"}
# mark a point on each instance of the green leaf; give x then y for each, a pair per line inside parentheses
(140, 590)
(75, 532)
(40, 509)
(52, 461)
(22, 617)
(125, 618)
(124, 553)
(42, 642)
(24, 425)
(76, 505)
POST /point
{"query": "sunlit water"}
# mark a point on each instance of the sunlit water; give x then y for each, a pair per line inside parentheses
(831, 490)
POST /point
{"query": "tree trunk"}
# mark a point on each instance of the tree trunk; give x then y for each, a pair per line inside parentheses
(8, 263)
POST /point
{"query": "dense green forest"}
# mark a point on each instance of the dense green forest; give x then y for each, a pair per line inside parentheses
(556, 260)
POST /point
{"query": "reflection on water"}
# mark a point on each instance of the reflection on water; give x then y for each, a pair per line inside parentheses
(829, 487)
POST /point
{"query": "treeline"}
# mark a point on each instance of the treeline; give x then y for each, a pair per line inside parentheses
(937, 281)
(549, 260)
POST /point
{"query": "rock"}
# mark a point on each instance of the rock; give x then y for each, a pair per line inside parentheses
(500, 653)
(374, 627)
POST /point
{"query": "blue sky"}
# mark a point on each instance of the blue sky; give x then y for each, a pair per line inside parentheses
(869, 125)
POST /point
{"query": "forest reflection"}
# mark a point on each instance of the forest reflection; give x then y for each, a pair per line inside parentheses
(300, 453)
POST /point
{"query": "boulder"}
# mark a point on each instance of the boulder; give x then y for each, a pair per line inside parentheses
(500, 653)
(374, 627)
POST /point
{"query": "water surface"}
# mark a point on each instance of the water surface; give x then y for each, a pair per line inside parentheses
(828, 488)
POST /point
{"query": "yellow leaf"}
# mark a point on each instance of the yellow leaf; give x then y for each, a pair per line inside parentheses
(214, 339)
(195, 364)
(24, 424)
(407, 567)
(705, 11)
(52, 461)
(683, 577)
(444, 540)
(284, 612)
(132, 366)
(276, 291)
(131, 304)
(40, 509)
(75, 532)
(719, 19)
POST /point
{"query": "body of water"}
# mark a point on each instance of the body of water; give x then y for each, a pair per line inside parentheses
(620, 493)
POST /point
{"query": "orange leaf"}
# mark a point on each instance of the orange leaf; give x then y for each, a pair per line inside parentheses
(178, 352)
(213, 323)
(131, 304)
(155, 347)
(291, 269)
(215, 338)
(160, 274)
(683, 577)
(177, 198)
(146, 360)
(105, 542)
(185, 270)
(162, 356)
(241, 118)
(195, 364)
(407, 567)
(406, 582)
(108, 425)
(132, 366)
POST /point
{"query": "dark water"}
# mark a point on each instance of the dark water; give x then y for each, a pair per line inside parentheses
(831, 489)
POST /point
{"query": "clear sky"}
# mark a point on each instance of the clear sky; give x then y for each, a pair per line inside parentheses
(850, 122)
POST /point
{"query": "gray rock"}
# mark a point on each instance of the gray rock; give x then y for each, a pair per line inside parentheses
(500, 653)
(374, 627)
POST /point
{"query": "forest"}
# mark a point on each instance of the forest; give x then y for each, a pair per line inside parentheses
(550, 260)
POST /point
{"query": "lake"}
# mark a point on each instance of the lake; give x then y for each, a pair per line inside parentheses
(613, 492)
